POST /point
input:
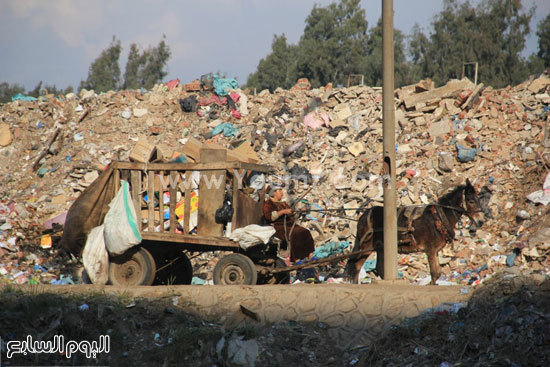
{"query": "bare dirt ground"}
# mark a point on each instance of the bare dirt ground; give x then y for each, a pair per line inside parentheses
(506, 323)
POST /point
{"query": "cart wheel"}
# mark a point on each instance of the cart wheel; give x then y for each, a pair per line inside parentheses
(173, 267)
(235, 269)
(134, 267)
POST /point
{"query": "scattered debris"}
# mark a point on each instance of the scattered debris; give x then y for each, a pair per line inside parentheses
(443, 135)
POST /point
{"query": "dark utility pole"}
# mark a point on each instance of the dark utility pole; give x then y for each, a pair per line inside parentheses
(388, 105)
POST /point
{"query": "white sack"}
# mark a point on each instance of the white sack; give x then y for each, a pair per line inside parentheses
(121, 228)
(252, 234)
(95, 257)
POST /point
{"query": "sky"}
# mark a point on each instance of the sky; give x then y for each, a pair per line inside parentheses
(56, 41)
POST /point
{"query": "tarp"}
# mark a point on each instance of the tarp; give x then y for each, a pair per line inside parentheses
(87, 212)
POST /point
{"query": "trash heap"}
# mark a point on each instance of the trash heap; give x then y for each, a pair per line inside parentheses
(325, 143)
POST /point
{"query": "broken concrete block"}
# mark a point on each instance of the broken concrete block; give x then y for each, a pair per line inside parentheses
(356, 148)
(439, 128)
(5, 135)
(140, 112)
(539, 83)
(445, 162)
(343, 111)
(452, 88)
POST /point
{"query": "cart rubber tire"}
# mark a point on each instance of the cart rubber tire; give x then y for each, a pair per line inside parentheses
(180, 272)
(235, 269)
(134, 267)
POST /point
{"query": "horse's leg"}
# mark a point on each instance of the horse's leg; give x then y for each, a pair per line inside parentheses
(353, 267)
(379, 247)
(433, 261)
(357, 269)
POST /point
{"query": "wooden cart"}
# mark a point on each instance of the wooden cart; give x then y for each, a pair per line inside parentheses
(173, 224)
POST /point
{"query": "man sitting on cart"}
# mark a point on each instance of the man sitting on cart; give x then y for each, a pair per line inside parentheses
(280, 215)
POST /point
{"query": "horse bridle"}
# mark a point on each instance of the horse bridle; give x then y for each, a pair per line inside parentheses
(463, 210)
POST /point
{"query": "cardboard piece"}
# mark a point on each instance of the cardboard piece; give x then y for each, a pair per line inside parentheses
(143, 151)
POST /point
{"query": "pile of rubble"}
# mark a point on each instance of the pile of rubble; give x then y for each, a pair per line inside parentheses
(325, 143)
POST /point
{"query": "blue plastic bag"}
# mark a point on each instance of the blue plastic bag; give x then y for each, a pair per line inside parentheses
(222, 86)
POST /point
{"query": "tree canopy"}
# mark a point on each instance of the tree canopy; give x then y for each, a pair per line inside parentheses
(278, 69)
(543, 33)
(8, 90)
(336, 42)
(373, 60)
(143, 69)
(104, 73)
(491, 34)
(146, 68)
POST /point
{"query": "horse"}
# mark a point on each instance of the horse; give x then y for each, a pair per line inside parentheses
(426, 228)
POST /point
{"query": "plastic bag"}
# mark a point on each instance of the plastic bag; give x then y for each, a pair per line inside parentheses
(225, 213)
(121, 229)
(95, 256)
(188, 104)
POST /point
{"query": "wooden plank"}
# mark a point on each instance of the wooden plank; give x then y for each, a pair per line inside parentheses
(117, 180)
(173, 200)
(211, 193)
(192, 148)
(151, 200)
(161, 199)
(195, 166)
(142, 151)
(469, 102)
(235, 201)
(187, 203)
(232, 155)
(135, 183)
(246, 150)
(190, 239)
(249, 211)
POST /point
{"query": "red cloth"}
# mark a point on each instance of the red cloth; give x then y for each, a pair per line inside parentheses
(173, 84)
(301, 242)
(213, 99)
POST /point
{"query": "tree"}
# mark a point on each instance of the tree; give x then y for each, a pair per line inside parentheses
(373, 68)
(9, 90)
(40, 90)
(334, 43)
(418, 48)
(535, 64)
(133, 65)
(146, 69)
(278, 69)
(543, 33)
(153, 68)
(36, 91)
(492, 34)
(104, 73)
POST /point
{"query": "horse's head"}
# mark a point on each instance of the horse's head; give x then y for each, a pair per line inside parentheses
(472, 205)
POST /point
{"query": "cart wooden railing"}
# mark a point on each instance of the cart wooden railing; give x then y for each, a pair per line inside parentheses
(218, 177)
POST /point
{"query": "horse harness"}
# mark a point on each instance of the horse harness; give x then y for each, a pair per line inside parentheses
(442, 223)
(412, 213)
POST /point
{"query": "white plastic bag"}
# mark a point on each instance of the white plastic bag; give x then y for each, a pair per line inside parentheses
(95, 257)
(252, 234)
(121, 228)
